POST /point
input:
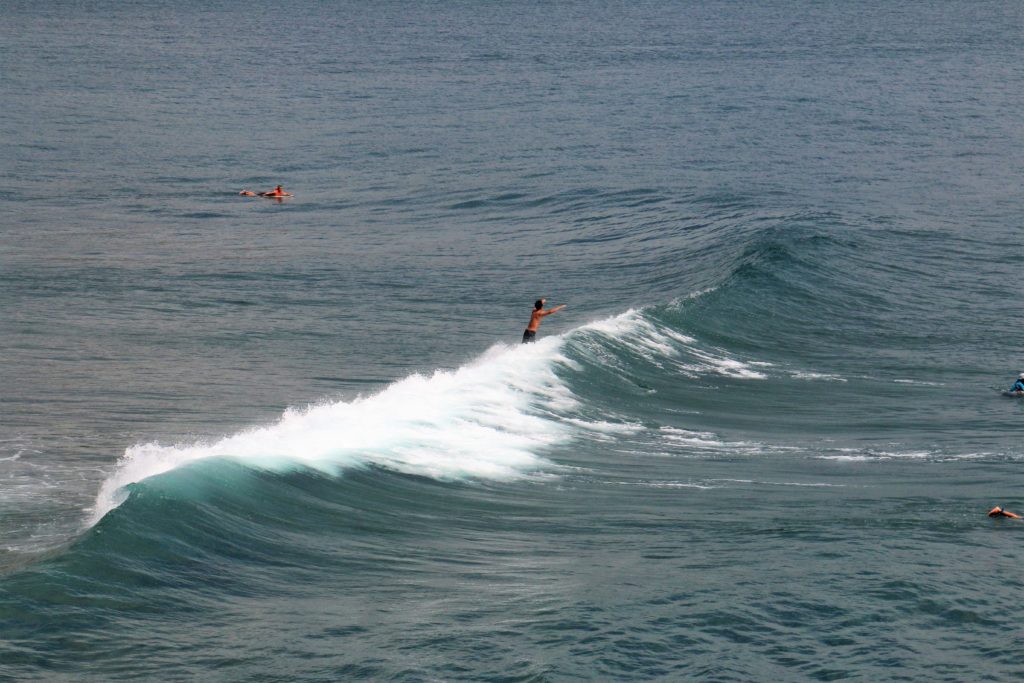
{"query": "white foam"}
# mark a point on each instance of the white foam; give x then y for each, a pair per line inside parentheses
(798, 374)
(489, 419)
(679, 337)
(869, 454)
(665, 484)
(660, 345)
(605, 427)
(846, 458)
(723, 365)
(693, 439)
(707, 441)
(813, 484)
(640, 336)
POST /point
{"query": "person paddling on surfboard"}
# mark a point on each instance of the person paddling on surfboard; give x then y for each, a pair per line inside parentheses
(1000, 512)
(276, 192)
(1018, 386)
(535, 317)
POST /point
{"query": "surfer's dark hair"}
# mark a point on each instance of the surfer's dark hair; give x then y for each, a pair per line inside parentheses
(538, 304)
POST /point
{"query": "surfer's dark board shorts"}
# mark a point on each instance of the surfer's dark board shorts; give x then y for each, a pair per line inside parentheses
(529, 336)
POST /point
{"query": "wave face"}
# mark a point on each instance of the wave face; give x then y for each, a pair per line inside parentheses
(493, 418)
(474, 421)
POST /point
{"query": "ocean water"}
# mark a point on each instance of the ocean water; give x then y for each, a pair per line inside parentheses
(249, 440)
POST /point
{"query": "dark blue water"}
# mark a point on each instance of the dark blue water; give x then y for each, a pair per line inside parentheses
(251, 440)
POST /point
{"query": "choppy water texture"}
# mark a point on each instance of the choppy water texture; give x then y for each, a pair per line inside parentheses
(243, 440)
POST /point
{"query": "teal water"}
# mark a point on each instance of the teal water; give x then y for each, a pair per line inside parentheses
(243, 440)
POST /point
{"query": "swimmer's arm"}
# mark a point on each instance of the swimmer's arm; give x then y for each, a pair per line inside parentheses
(556, 309)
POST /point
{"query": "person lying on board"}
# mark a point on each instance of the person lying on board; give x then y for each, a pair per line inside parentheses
(276, 192)
(1018, 386)
(1000, 512)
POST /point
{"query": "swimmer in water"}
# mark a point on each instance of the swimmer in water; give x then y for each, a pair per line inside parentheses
(1000, 512)
(1018, 386)
(247, 193)
(535, 317)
